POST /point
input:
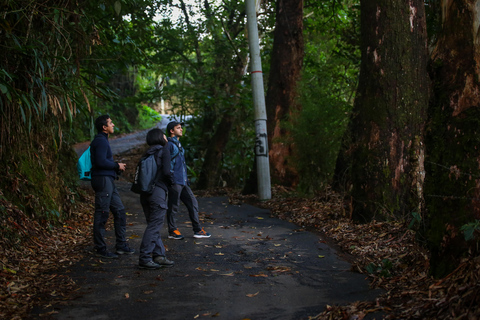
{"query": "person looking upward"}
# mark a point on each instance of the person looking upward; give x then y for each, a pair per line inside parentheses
(180, 190)
(104, 173)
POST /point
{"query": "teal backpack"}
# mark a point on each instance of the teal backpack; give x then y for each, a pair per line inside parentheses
(84, 166)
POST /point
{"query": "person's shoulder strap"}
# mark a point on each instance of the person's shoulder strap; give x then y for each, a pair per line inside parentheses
(174, 141)
(175, 152)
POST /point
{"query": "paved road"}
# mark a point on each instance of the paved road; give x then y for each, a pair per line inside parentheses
(253, 267)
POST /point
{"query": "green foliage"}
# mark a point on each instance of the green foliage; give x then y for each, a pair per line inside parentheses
(147, 117)
(382, 270)
(469, 230)
(317, 132)
(416, 220)
(326, 92)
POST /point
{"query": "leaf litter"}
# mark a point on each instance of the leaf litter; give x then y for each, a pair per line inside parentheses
(34, 258)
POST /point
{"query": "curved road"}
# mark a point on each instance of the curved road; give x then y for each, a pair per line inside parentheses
(253, 267)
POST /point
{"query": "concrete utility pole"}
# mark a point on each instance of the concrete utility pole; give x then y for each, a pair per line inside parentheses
(261, 142)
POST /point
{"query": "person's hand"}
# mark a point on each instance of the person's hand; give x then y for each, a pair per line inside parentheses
(121, 166)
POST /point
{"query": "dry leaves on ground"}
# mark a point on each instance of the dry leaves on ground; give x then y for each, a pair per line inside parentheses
(33, 260)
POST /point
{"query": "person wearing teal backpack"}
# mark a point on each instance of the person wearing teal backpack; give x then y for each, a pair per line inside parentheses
(104, 172)
(180, 190)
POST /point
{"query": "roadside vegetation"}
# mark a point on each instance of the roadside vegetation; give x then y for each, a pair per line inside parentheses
(372, 130)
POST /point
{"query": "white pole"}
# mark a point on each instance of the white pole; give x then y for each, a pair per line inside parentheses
(261, 142)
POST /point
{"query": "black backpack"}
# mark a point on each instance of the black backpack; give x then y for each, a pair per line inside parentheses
(145, 175)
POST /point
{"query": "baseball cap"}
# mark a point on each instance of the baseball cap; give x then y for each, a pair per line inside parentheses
(172, 125)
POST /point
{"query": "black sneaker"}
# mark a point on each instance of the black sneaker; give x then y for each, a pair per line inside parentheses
(163, 261)
(201, 234)
(125, 250)
(107, 255)
(149, 265)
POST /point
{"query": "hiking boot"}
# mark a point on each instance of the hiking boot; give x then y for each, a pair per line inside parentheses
(149, 265)
(106, 255)
(163, 261)
(125, 250)
(201, 234)
(176, 235)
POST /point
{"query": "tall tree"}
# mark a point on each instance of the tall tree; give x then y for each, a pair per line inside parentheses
(386, 147)
(232, 26)
(452, 186)
(285, 67)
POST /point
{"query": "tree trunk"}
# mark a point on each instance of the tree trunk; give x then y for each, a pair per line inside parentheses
(387, 149)
(452, 187)
(285, 68)
(211, 169)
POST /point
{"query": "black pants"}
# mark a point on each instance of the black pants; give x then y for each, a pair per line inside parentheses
(107, 199)
(176, 193)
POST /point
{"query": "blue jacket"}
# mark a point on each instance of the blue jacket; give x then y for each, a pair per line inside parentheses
(102, 157)
(179, 167)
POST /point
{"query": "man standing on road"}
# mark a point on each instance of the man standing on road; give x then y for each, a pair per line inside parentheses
(104, 172)
(180, 190)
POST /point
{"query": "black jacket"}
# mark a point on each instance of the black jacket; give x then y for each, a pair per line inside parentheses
(102, 157)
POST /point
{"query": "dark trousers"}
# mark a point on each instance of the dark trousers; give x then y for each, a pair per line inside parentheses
(176, 193)
(154, 207)
(107, 199)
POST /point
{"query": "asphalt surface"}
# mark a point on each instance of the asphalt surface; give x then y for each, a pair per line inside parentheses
(253, 267)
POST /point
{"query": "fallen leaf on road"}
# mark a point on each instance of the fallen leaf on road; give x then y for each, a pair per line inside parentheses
(251, 295)
(133, 236)
(259, 275)
(259, 218)
(219, 254)
(227, 274)
(127, 296)
(279, 269)
(148, 291)
(277, 244)
(320, 256)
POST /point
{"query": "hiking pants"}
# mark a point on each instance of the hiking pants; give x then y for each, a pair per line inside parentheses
(154, 207)
(107, 199)
(176, 193)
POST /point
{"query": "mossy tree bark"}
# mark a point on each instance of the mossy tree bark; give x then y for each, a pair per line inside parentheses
(285, 67)
(452, 186)
(386, 148)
